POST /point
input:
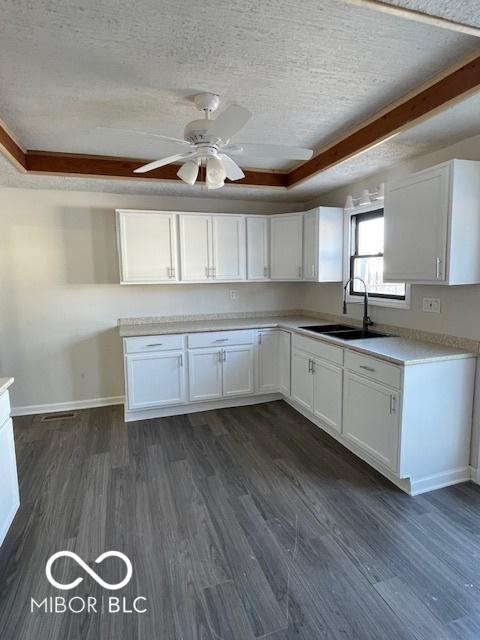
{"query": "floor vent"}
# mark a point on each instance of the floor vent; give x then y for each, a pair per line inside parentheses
(59, 416)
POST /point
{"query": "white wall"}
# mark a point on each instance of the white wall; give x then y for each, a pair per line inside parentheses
(460, 306)
(60, 298)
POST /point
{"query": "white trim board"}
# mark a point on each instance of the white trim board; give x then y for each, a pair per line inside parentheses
(66, 406)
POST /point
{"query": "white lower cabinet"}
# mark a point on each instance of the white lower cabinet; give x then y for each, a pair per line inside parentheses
(205, 374)
(155, 379)
(238, 371)
(327, 393)
(302, 379)
(273, 361)
(9, 495)
(371, 418)
(317, 387)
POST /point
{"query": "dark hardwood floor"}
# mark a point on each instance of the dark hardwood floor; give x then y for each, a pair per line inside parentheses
(240, 523)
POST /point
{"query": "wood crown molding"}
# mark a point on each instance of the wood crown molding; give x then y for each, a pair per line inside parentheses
(451, 87)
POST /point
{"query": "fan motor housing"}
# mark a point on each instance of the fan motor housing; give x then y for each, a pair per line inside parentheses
(196, 132)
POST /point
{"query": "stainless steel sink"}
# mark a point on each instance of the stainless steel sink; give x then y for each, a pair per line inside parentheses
(357, 334)
(345, 332)
(329, 328)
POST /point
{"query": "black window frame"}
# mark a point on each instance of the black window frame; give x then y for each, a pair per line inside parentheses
(355, 219)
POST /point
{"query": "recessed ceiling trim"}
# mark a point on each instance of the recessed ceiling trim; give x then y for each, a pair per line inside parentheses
(442, 93)
(418, 16)
(11, 149)
(455, 86)
(113, 167)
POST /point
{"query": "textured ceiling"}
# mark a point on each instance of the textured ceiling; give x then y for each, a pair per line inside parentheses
(462, 11)
(308, 71)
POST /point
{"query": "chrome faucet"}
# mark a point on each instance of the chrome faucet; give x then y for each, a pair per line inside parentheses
(367, 322)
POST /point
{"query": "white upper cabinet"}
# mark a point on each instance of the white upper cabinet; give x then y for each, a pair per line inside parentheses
(257, 248)
(147, 242)
(286, 240)
(323, 244)
(432, 225)
(195, 247)
(228, 247)
(212, 247)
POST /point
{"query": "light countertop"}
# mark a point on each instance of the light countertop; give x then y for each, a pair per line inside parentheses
(398, 350)
(4, 384)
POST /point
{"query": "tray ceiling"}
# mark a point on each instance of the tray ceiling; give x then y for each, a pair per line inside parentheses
(308, 71)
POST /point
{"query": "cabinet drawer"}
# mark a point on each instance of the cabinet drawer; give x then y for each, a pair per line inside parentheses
(154, 343)
(219, 338)
(318, 348)
(4, 407)
(373, 368)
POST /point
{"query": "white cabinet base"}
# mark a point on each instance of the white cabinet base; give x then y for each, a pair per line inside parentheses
(195, 407)
(412, 486)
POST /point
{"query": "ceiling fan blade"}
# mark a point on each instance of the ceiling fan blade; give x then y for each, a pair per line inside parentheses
(232, 169)
(280, 151)
(148, 133)
(156, 164)
(231, 120)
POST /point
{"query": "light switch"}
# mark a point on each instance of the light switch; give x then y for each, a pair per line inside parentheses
(432, 305)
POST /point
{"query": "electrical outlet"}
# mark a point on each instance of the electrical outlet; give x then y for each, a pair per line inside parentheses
(431, 305)
(234, 294)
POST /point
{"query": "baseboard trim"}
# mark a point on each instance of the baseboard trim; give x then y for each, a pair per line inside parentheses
(195, 407)
(66, 406)
(475, 475)
(439, 480)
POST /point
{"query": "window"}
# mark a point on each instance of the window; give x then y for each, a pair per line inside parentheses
(366, 258)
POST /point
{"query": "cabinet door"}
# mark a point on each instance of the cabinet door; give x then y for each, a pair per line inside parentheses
(147, 246)
(284, 352)
(205, 374)
(155, 379)
(286, 247)
(310, 245)
(238, 371)
(257, 248)
(327, 394)
(195, 247)
(416, 215)
(9, 498)
(370, 418)
(302, 379)
(268, 365)
(228, 247)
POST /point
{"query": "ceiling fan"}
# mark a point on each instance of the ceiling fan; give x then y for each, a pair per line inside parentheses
(207, 142)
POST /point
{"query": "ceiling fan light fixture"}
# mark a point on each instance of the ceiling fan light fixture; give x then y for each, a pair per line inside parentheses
(216, 173)
(188, 172)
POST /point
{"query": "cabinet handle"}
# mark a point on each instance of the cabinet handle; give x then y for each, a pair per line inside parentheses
(393, 407)
(259, 338)
(438, 266)
(313, 367)
(172, 272)
(222, 340)
(309, 366)
(155, 344)
(364, 366)
(220, 356)
(180, 358)
(207, 272)
(224, 355)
